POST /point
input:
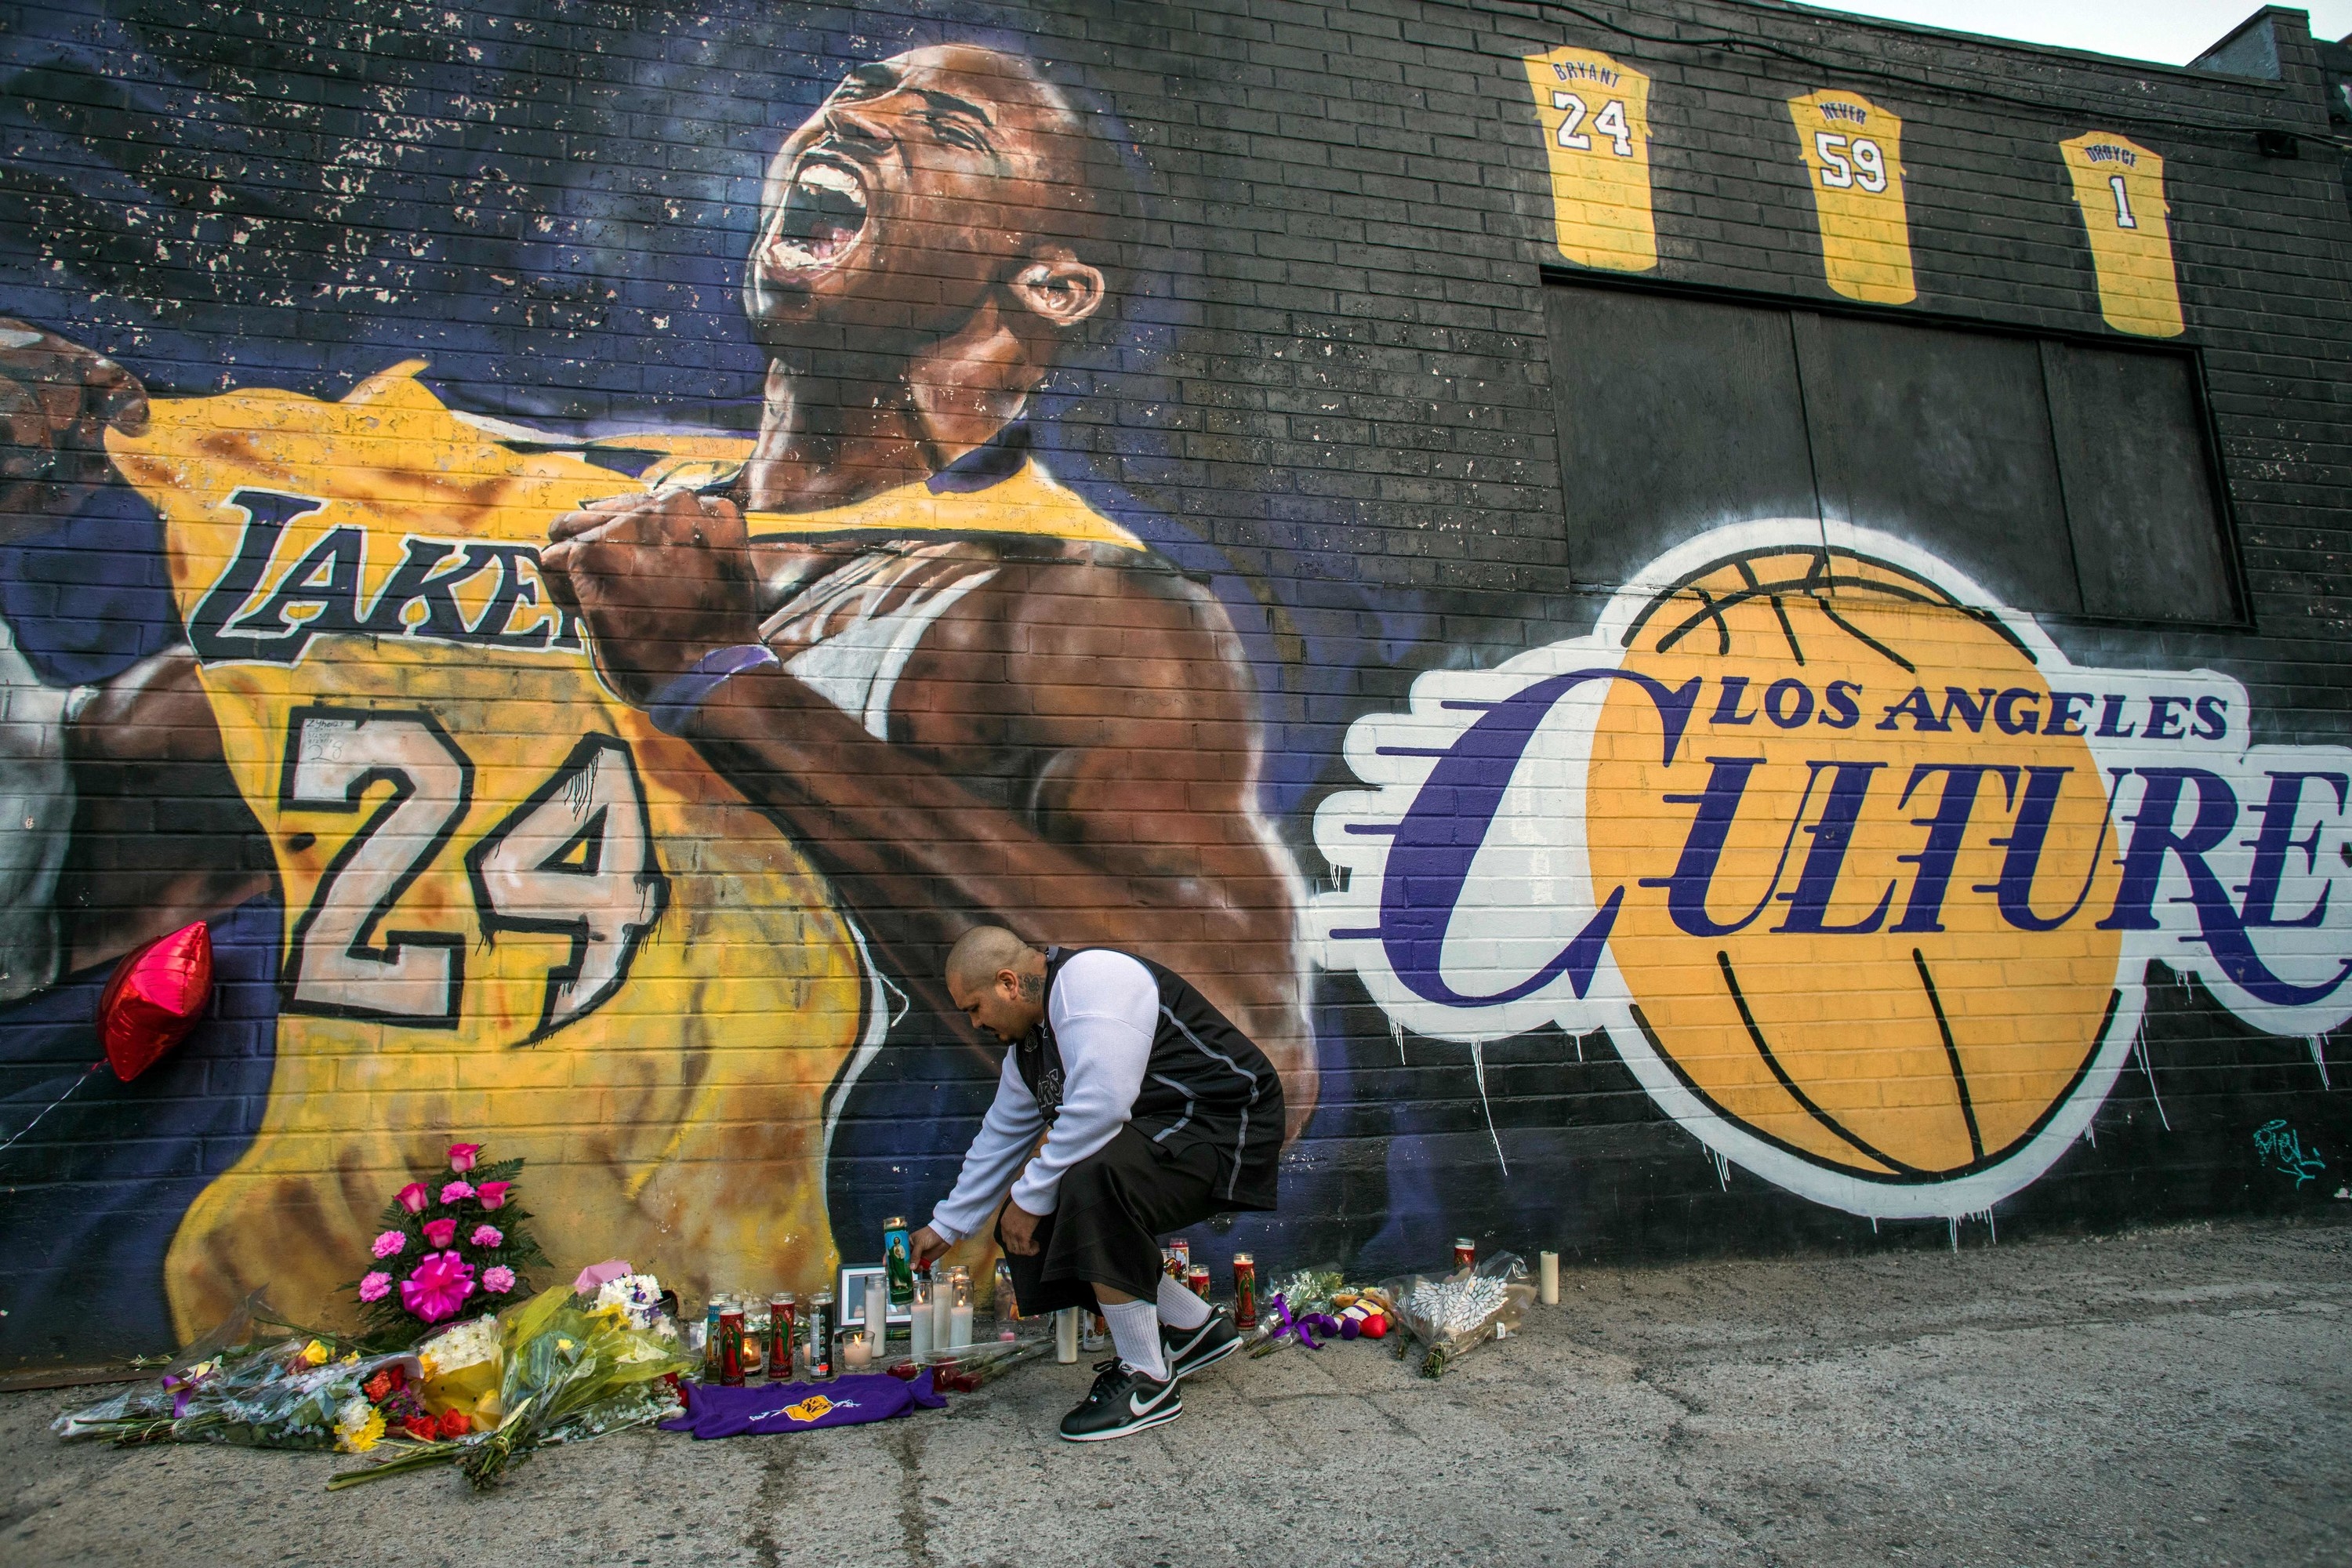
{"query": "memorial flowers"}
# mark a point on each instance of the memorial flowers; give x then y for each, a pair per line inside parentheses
(439, 1254)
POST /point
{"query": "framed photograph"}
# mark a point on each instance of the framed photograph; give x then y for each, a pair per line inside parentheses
(851, 1299)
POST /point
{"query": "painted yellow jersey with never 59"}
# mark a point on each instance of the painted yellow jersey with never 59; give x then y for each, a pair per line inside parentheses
(2119, 186)
(1595, 115)
(515, 911)
(1853, 157)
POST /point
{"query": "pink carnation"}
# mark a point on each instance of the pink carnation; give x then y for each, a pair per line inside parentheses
(411, 1197)
(456, 1192)
(375, 1286)
(440, 1232)
(486, 1236)
(438, 1287)
(462, 1156)
(497, 1279)
(493, 1194)
(389, 1243)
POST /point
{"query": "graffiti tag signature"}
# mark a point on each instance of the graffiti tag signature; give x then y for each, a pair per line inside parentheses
(2281, 1150)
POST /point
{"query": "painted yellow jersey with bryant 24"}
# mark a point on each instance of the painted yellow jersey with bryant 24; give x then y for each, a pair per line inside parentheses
(516, 911)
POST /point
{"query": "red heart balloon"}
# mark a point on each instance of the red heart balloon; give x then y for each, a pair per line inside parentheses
(158, 992)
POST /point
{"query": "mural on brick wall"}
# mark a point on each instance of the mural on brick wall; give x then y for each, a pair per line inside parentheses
(1778, 760)
(604, 778)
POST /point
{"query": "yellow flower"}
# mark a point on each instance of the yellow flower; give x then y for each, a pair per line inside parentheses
(359, 1426)
(313, 1354)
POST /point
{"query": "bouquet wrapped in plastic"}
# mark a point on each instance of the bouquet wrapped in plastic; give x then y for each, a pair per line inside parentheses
(1448, 1316)
(244, 1385)
(568, 1370)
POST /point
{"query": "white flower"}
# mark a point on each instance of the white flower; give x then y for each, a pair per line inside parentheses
(461, 1344)
(637, 1295)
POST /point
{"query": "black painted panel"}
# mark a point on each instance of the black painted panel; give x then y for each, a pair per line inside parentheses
(2149, 538)
(1941, 437)
(1674, 416)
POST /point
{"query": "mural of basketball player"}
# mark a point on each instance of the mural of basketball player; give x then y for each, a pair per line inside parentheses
(602, 823)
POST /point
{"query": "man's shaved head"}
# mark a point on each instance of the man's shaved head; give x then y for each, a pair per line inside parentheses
(979, 954)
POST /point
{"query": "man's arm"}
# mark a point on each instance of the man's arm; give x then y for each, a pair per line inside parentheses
(135, 866)
(1111, 699)
(162, 835)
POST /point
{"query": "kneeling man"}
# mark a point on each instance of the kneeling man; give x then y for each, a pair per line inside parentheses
(1157, 1114)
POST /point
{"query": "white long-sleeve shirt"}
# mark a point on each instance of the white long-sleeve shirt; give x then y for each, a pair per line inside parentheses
(1104, 1010)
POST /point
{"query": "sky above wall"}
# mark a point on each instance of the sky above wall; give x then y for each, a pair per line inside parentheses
(2172, 31)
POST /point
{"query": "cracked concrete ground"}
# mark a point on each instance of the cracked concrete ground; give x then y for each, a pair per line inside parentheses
(2170, 1396)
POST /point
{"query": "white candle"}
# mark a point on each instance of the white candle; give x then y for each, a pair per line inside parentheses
(918, 1330)
(943, 1310)
(1548, 1289)
(1065, 1335)
(877, 1313)
(958, 1326)
(855, 1353)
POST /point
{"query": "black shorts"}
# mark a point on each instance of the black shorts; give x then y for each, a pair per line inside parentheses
(1114, 1206)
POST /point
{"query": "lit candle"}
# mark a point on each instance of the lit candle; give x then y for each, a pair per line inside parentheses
(942, 1304)
(918, 1320)
(959, 1326)
(1548, 1289)
(855, 1352)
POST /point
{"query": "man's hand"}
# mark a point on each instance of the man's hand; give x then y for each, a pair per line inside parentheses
(1017, 1228)
(928, 1247)
(659, 580)
(58, 400)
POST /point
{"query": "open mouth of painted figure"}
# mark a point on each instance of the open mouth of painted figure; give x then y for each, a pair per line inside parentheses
(824, 212)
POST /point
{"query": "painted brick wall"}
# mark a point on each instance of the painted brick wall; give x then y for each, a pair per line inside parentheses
(1310, 484)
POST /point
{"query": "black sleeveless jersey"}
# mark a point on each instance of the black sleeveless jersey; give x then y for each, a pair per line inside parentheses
(1206, 1084)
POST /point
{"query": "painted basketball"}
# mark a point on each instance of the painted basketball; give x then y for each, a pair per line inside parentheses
(1861, 902)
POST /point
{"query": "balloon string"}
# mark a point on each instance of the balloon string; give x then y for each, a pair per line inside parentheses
(53, 1104)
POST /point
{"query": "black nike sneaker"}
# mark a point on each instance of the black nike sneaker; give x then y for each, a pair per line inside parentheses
(1122, 1403)
(1190, 1350)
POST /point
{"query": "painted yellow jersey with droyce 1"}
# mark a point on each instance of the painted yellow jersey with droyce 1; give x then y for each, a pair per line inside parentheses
(1595, 115)
(2119, 186)
(1853, 158)
(515, 911)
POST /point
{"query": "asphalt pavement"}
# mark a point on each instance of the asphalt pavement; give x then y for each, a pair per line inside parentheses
(2176, 1396)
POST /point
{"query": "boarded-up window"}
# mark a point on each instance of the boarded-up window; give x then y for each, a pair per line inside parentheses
(2066, 478)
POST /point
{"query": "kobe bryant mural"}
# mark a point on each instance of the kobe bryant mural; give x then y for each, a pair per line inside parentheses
(590, 580)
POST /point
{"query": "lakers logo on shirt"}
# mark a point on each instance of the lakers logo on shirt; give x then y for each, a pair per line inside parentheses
(1861, 875)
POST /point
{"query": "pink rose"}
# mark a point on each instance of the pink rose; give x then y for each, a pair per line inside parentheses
(497, 1279)
(375, 1286)
(456, 1192)
(462, 1156)
(411, 1197)
(389, 1243)
(486, 1236)
(493, 1194)
(438, 1287)
(440, 1232)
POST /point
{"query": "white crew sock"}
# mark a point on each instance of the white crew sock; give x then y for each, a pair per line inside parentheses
(1178, 1307)
(1134, 1330)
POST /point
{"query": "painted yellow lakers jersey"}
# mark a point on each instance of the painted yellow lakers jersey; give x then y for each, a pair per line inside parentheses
(1853, 158)
(515, 912)
(1595, 115)
(2119, 188)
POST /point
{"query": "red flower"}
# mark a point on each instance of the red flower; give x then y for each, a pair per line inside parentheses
(421, 1427)
(412, 1197)
(454, 1423)
(439, 1233)
(493, 1194)
(462, 1156)
(379, 1387)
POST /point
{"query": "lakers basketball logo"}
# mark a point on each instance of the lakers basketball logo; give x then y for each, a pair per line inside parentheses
(1859, 872)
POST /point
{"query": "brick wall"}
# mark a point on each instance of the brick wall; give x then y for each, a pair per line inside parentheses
(1316, 482)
